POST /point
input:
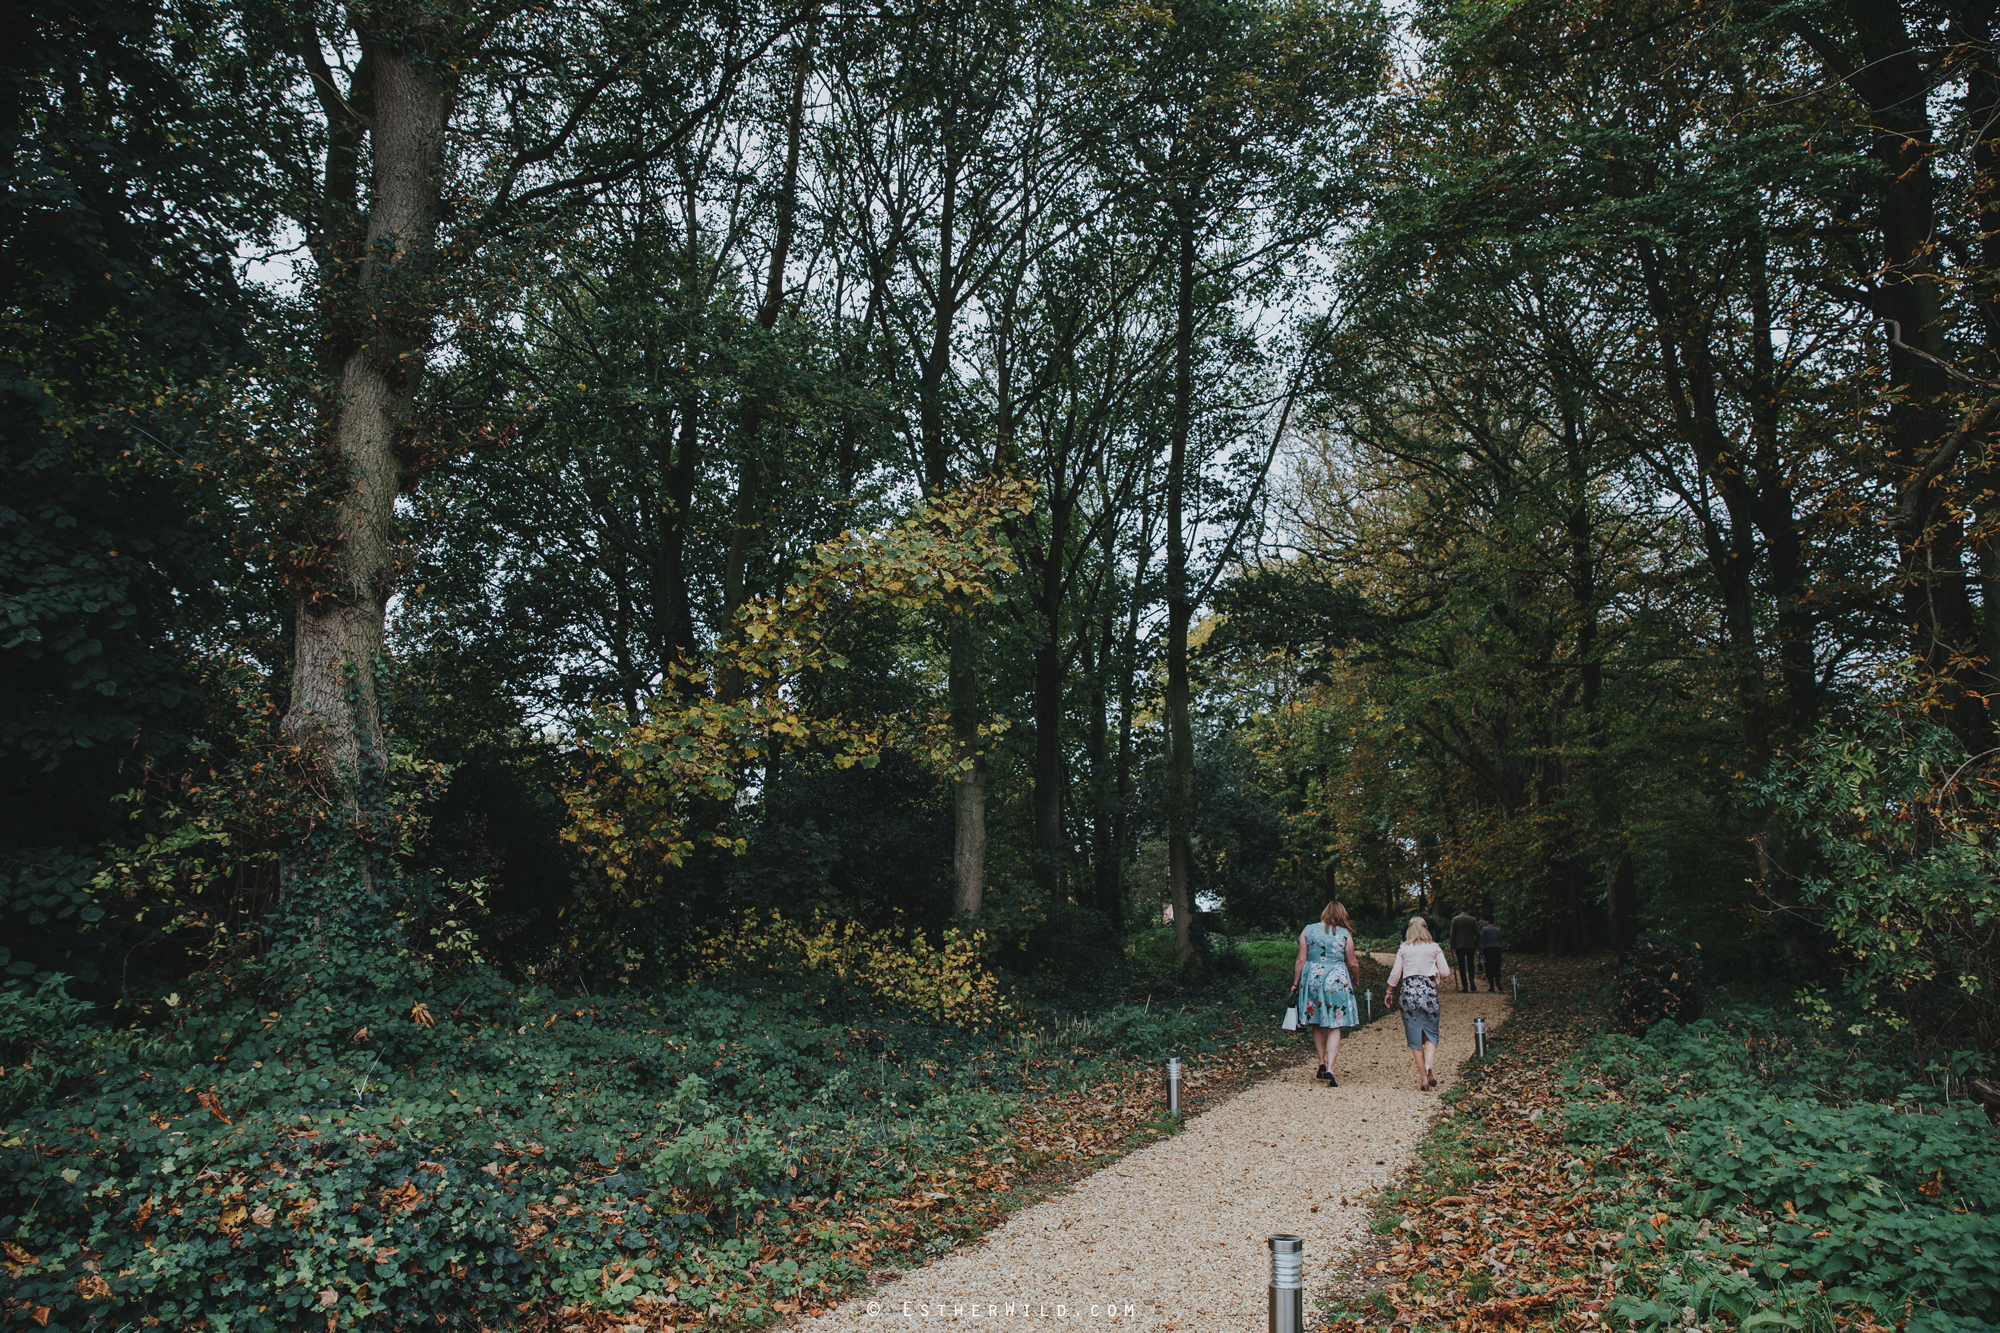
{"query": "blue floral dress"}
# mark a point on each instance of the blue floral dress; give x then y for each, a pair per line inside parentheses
(1326, 992)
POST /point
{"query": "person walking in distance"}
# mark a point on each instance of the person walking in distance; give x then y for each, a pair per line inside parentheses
(1431, 923)
(1413, 987)
(1323, 978)
(1491, 944)
(1465, 944)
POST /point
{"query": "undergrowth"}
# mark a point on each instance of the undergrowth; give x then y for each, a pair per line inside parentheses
(1745, 1171)
(397, 1150)
(1806, 1177)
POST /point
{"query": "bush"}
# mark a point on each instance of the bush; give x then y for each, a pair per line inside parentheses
(948, 982)
(1153, 1032)
(1661, 979)
(1230, 960)
(39, 1036)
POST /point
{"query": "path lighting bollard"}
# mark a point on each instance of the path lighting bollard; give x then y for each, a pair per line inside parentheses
(1516, 982)
(1288, 1290)
(1479, 1037)
(1368, 998)
(1174, 1086)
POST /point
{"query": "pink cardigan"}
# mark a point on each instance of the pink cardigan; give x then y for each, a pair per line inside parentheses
(1419, 960)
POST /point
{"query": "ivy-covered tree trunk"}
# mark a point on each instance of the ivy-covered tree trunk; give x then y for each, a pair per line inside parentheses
(379, 303)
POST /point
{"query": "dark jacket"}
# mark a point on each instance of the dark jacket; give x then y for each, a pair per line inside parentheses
(1490, 938)
(1464, 931)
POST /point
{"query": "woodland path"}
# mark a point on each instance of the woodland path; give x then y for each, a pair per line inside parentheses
(1176, 1230)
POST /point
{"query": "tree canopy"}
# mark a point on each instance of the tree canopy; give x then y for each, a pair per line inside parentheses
(589, 472)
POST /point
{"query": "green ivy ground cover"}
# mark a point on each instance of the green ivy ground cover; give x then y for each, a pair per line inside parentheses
(492, 1154)
(1746, 1171)
(1805, 1178)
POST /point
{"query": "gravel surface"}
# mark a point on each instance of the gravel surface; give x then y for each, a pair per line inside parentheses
(1175, 1232)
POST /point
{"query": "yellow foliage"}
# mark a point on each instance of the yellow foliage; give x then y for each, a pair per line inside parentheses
(949, 982)
(631, 813)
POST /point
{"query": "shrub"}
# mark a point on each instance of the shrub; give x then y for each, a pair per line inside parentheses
(1903, 822)
(1230, 960)
(1660, 979)
(39, 1036)
(949, 982)
(1145, 1031)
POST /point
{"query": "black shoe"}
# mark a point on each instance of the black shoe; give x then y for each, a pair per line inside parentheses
(1322, 1073)
(1332, 1082)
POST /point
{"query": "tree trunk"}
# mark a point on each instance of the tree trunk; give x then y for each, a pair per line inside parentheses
(968, 851)
(1887, 69)
(384, 304)
(968, 859)
(1621, 900)
(1180, 610)
(963, 692)
(748, 504)
(1104, 877)
(1127, 675)
(1050, 841)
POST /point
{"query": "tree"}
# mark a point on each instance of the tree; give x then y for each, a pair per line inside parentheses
(1927, 265)
(632, 813)
(1227, 120)
(122, 347)
(415, 113)
(952, 148)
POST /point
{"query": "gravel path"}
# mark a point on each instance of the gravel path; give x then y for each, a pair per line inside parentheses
(1175, 1232)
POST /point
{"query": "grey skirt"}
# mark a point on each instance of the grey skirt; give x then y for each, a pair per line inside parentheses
(1417, 1027)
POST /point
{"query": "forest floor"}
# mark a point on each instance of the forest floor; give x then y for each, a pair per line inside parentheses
(1172, 1236)
(1477, 1230)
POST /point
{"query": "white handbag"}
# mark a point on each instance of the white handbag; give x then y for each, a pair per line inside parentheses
(1291, 1023)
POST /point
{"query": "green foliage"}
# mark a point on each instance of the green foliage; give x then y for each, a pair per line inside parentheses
(125, 189)
(354, 1153)
(1154, 1031)
(1900, 820)
(1660, 980)
(1805, 1181)
(40, 1035)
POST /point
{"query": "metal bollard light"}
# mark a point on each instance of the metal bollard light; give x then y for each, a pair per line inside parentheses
(1479, 1037)
(1288, 1288)
(1174, 1086)
(1368, 998)
(1515, 981)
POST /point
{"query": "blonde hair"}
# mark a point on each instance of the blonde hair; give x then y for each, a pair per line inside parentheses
(1334, 916)
(1418, 933)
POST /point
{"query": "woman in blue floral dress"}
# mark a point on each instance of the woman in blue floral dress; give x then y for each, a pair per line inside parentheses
(1323, 978)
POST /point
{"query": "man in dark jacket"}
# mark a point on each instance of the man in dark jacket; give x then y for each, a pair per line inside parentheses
(1491, 943)
(1465, 943)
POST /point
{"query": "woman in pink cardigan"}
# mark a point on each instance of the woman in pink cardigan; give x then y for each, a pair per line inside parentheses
(1420, 966)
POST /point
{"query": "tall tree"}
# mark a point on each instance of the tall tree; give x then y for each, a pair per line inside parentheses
(413, 106)
(1924, 261)
(946, 139)
(1228, 114)
(126, 185)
